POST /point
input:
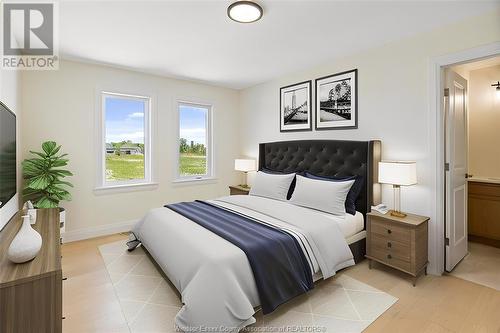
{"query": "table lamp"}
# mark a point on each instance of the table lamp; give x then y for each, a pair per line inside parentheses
(244, 165)
(397, 173)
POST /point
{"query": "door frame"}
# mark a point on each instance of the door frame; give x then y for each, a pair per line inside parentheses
(436, 145)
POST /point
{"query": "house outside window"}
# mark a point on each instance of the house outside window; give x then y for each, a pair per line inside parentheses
(125, 143)
(194, 160)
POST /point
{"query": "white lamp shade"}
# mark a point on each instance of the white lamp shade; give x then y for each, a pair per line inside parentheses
(244, 165)
(397, 173)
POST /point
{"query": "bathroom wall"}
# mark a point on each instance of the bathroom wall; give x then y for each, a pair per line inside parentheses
(484, 123)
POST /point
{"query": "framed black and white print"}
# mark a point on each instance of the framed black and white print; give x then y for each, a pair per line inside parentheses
(337, 101)
(295, 107)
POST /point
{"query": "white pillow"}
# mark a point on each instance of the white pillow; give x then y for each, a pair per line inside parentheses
(321, 195)
(274, 186)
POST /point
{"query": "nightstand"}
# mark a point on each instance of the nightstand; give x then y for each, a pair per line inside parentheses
(238, 190)
(400, 243)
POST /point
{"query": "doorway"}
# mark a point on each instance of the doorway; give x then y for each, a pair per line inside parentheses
(471, 109)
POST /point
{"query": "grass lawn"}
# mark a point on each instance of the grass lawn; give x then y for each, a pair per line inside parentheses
(126, 167)
(193, 165)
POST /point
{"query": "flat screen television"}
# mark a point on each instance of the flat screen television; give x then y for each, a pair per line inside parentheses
(8, 165)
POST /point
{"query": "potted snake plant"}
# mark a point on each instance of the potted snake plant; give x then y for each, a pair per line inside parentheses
(43, 175)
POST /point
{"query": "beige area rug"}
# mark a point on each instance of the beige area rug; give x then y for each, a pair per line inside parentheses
(150, 303)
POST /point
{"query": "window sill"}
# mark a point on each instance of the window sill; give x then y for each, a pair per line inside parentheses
(122, 188)
(194, 181)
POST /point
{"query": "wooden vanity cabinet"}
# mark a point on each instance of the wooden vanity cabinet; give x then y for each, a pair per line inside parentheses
(484, 213)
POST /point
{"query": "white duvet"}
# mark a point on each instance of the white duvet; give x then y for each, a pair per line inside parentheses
(214, 276)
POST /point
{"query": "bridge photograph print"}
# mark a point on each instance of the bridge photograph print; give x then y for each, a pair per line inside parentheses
(295, 107)
(336, 101)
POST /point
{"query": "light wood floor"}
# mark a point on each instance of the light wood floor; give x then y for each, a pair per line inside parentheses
(436, 304)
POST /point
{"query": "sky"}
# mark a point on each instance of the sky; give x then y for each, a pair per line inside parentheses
(300, 97)
(125, 121)
(324, 91)
(192, 123)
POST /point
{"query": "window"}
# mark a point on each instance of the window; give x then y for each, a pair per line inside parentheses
(125, 140)
(194, 162)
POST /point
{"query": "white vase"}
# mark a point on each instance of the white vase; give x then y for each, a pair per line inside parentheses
(27, 243)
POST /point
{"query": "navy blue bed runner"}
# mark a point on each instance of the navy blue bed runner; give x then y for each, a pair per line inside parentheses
(279, 266)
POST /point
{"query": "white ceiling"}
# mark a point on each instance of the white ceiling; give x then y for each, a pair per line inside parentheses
(195, 40)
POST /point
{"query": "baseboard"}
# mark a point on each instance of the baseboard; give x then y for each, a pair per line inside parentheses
(102, 230)
(484, 240)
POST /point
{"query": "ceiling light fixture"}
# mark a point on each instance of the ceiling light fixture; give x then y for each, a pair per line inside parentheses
(244, 11)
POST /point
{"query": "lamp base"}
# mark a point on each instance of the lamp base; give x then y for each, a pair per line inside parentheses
(398, 214)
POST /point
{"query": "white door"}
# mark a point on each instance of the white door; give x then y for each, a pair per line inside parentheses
(456, 168)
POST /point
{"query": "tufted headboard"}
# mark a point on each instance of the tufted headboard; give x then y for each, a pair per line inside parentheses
(328, 158)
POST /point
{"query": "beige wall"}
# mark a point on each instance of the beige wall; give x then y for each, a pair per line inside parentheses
(393, 101)
(10, 89)
(60, 105)
(484, 123)
(394, 106)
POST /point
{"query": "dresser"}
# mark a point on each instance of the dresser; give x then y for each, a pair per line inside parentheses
(400, 243)
(31, 293)
(239, 190)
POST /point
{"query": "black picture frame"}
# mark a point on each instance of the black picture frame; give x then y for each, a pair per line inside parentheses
(345, 84)
(296, 126)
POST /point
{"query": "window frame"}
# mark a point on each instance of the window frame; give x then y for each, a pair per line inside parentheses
(102, 183)
(210, 175)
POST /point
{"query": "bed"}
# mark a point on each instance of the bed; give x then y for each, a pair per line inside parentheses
(330, 158)
(217, 280)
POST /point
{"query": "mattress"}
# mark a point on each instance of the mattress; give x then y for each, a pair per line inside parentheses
(356, 237)
(350, 225)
